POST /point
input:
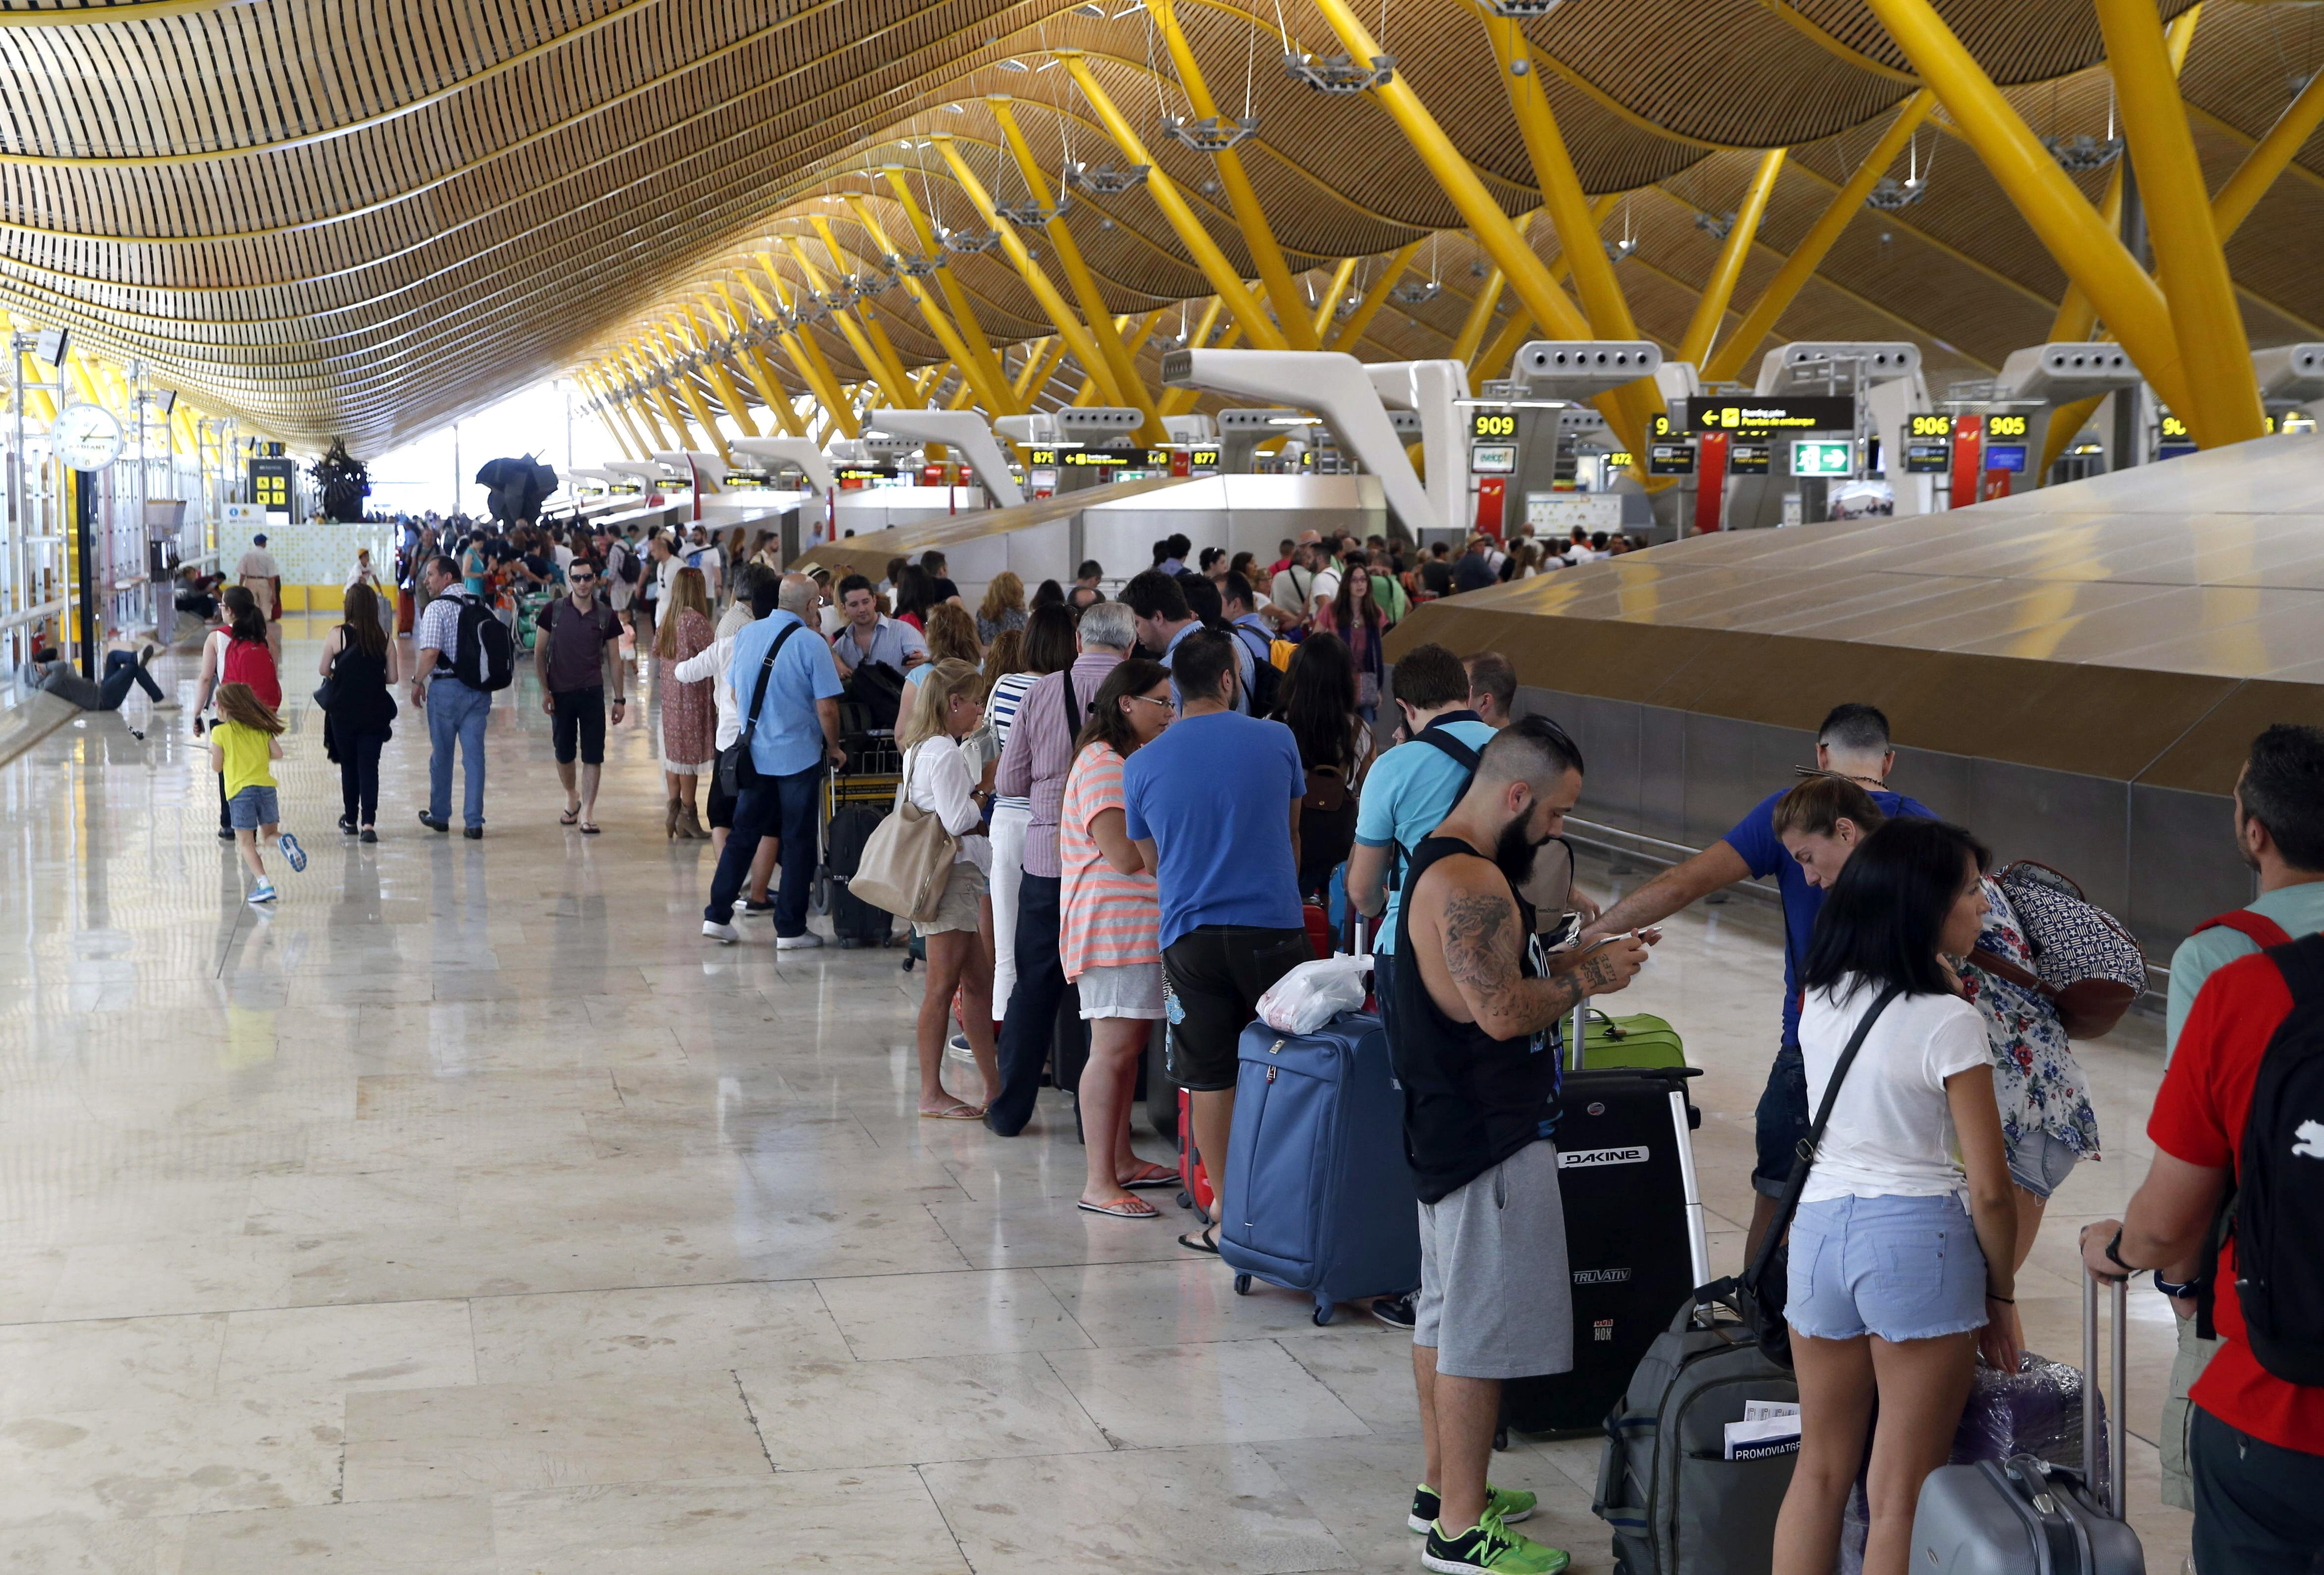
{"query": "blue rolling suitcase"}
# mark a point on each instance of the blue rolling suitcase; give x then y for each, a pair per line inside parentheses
(1321, 1197)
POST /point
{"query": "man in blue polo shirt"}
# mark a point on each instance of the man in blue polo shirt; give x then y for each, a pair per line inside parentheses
(1852, 743)
(792, 732)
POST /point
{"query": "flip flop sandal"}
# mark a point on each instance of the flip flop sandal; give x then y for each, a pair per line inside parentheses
(568, 817)
(589, 828)
(1127, 1209)
(1200, 1241)
(958, 1113)
(1151, 1176)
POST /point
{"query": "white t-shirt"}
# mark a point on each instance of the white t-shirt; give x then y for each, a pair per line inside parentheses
(1892, 1130)
(1327, 586)
(937, 779)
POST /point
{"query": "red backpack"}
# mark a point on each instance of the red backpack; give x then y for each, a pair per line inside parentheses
(249, 661)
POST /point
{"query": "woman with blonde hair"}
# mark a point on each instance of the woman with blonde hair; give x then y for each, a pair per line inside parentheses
(938, 780)
(689, 715)
(952, 637)
(1004, 606)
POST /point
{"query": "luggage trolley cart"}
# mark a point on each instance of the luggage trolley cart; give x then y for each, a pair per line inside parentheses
(863, 786)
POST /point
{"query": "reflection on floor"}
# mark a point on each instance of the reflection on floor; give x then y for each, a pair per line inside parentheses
(468, 1215)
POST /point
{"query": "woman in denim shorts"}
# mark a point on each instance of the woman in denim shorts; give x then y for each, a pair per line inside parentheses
(1894, 1282)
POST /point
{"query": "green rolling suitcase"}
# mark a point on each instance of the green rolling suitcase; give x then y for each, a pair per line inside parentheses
(1641, 1040)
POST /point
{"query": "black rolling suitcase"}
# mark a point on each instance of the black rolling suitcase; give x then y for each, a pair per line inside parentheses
(854, 922)
(1634, 1237)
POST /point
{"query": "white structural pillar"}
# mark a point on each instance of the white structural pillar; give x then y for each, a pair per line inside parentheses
(1431, 390)
(964, 430)
(1337, 387)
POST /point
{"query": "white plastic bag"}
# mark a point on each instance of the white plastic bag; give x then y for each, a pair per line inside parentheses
(1312, 994)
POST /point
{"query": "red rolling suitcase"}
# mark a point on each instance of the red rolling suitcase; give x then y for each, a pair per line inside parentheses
(1197, 1194)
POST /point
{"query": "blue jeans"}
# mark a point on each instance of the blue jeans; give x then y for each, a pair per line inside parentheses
(1900, 1267)
(785, 805)
(1782, 1120)
(456, 711)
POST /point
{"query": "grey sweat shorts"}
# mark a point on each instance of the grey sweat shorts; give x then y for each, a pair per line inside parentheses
(1495, 1297)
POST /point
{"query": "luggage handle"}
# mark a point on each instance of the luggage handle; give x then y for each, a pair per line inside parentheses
(2112, 1496)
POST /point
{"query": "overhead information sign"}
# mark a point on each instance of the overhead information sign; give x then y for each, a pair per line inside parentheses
(2005, 457)
(2006, 429)
(1932, 426)
(270, 485)
(1092, 458)
(1670, 459)
(1492, 426)
(1748, 459)
(1492, 459)
(1756, 414)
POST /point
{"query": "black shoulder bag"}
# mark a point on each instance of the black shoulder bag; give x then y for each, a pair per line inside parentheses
(736, 768)
(1759, 1293)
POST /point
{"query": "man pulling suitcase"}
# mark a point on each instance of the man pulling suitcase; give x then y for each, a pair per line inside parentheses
(1469, 1018)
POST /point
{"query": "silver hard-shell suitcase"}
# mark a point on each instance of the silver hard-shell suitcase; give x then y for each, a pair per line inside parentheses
(2021, 1516)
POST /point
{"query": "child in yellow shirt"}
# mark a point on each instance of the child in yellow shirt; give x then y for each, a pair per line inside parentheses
(244, 742)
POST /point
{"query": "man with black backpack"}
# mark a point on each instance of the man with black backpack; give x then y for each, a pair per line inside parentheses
(2240, 1116)
(465, 653)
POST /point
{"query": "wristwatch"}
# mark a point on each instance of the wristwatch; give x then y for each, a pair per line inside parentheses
(2114, 1254)
(2174, 1290)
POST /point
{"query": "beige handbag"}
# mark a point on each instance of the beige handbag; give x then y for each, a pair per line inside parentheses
(908, 860)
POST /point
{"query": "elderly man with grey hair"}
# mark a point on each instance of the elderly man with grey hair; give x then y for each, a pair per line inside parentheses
(1033, 766)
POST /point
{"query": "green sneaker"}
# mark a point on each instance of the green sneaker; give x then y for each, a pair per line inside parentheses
(1488, 1548)
(1502, 1503)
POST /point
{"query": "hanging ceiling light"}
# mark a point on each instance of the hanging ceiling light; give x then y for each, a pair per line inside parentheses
(2081, 155)
(1418, 292)
(971, 240)
(1714, 225)
(1522, 9)
(1213, 133)
(1888, 194)
(1105, 180)
(1338, 73)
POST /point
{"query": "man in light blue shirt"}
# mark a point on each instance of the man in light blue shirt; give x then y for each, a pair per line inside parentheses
(791, 732)
(1412, 787)
(1158, 602)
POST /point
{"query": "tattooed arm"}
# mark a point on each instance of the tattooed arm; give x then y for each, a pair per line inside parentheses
(1483, 948)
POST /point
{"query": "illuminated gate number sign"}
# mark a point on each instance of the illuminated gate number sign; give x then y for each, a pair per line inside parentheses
(1929, 449)
(1492, 426)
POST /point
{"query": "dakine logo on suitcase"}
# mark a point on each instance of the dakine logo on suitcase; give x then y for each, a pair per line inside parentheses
(1600, 1157)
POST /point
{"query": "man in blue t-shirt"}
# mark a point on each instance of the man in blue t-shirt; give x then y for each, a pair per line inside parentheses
(1214, 807)
(1852, 743)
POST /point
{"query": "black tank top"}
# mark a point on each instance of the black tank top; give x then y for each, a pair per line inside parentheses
(1469, 1101)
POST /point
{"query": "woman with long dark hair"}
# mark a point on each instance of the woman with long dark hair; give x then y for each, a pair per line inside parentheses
(1318, 704)
(1111, 920)
(1357, 619)
(1050, 647)
(358, 668)
(1893, 1284)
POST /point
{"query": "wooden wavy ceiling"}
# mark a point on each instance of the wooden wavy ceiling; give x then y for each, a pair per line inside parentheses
(362, 218)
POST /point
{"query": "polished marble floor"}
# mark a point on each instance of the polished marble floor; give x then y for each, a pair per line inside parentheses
(468, 1217)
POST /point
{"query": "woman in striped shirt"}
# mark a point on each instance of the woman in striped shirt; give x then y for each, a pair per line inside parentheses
(1112, 942)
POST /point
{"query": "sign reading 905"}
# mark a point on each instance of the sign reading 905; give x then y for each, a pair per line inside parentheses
(1933, 425)
(1489, 424)
(2006, 425)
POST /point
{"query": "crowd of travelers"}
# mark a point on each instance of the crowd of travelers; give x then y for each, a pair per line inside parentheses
(1138, 789)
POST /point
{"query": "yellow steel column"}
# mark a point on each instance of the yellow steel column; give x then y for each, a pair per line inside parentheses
(664, 400)
(2069, 228)
(632, 417)
(1184, 221)
(799, 343)
(1257, 237)
(1480, 310)
(873, 329)
(1494, 359)
(616, 421)
(995, 396)
(1200, 335)
(890, 379)
(963, 314)
(1328, 301)
(1727, 360)
(2213, 346)
(645, 407)
(756, 366)
(729, 394)
(1040, 362)
(1529, 275)
(1069, 327)
(676, 350)
(1120, 362)
(2268, 158)
(1350, 333)
(1710, 311)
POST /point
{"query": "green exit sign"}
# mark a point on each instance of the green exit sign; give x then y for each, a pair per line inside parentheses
(1816, 458)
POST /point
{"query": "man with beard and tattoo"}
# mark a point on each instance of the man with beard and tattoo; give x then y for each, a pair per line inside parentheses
(1469, 1036)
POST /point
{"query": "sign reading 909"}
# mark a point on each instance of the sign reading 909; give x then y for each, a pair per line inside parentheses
(1490, 424)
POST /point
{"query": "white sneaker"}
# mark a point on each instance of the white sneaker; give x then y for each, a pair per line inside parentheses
(797, 943)
(167, 705)
(725, 934)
